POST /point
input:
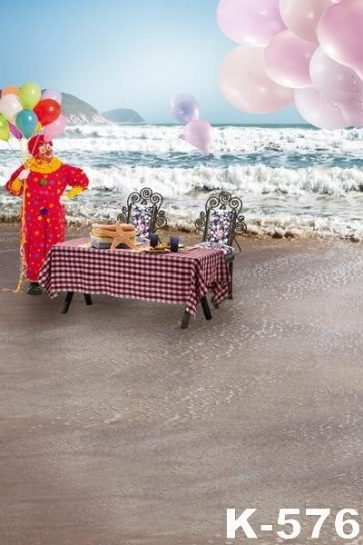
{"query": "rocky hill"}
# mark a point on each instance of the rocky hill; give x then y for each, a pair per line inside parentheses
(78, 111)
(123, 115)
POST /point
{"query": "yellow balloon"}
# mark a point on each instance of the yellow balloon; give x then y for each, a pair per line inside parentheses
(30, 94)
(4, 128)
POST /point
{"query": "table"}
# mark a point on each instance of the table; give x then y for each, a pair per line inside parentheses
(182, 278)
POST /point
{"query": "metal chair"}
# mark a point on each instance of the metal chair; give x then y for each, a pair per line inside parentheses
(143, 209)
(221, 221)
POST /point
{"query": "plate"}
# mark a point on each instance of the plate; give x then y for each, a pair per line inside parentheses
(157, 250)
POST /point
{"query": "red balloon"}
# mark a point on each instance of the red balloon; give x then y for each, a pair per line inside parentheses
(47, 111)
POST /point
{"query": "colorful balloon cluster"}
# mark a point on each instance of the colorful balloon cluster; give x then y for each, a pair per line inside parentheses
(25, 111)
(303, 52)
(198, 132)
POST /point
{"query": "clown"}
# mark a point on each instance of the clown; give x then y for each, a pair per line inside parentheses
(41, 181)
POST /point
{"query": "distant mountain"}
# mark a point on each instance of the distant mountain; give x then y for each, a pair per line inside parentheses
(78, 111)
(123, 115)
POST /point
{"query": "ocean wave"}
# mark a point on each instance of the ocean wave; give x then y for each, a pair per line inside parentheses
(227, 141)
(246, 181)
(289, 178)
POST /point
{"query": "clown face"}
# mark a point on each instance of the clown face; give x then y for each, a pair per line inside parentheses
(45, 151)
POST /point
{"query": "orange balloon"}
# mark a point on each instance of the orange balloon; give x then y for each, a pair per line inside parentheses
(10, 90)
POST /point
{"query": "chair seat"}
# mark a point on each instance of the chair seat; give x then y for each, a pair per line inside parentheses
(228, 250)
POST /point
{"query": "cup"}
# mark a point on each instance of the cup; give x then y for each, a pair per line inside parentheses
(154, 240)
(174, 244)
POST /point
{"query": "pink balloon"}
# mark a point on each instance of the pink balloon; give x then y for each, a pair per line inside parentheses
(287, 59)
(318, 110)
(250, 22)
(55, 129)
(15, 131)
(340, 83)
(245, 84)
(302, 16)
(340, 33)
(198, 133)
(353, 114)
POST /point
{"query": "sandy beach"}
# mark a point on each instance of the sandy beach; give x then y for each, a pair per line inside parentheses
(119, 428)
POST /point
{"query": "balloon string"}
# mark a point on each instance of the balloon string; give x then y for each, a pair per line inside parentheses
(15, 152)
(22, 265)
(24, 152)
(22, 235)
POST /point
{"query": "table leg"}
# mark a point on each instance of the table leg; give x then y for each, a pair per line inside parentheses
(87, 298)
(230, 283)
(185, 320)
(67, 302)
(206, 309)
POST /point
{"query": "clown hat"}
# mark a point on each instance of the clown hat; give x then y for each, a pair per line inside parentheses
(35, 142)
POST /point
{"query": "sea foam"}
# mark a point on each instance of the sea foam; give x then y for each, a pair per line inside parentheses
(295, 179)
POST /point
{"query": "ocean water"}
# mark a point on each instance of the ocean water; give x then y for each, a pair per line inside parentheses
(293, 179)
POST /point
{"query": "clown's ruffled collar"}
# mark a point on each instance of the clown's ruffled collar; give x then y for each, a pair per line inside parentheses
(45, 167)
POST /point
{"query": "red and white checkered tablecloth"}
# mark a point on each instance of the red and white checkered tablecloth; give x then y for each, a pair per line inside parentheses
(183, 277)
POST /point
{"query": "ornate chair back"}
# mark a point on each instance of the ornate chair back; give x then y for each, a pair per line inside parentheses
(221, 219)
(143, 210)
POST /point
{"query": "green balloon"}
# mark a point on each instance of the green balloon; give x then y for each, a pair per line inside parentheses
(29, 95)
(4, 128)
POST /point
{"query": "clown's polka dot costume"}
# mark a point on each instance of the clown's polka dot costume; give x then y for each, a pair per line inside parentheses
(43, 217)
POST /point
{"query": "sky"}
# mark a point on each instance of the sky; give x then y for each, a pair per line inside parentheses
(133, 54)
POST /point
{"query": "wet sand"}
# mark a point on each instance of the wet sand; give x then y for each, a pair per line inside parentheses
(117, 427)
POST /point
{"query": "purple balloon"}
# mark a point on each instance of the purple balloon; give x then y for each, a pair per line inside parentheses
(250, 22)
(199, 134)
(54, 94)
(15, 131)
(184, 108)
